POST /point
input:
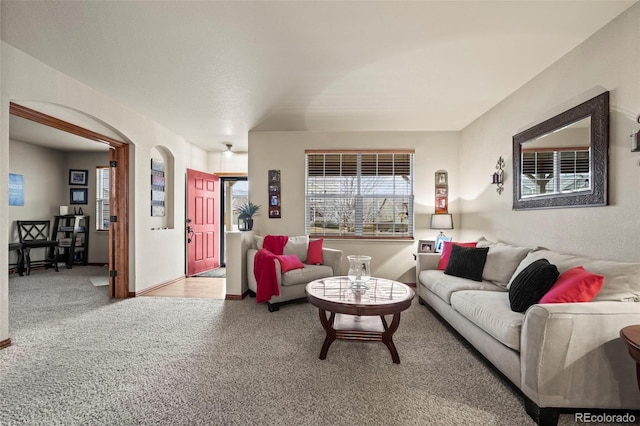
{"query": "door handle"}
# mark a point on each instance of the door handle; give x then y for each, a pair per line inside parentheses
(189, 231)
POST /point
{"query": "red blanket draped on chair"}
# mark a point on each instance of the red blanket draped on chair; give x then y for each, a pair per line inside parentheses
(264, 267)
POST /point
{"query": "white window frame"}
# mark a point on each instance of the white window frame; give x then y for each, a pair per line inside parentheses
(340, 204)
(102, 198)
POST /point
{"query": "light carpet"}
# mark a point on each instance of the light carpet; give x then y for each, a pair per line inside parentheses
(79, 358)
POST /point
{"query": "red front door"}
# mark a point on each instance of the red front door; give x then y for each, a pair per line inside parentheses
(203, 212)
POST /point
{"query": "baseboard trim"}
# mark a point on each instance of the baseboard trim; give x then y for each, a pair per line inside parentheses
(5, 343)
(236, 296)
(155, 287)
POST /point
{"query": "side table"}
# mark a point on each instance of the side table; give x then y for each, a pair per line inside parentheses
(631, 336)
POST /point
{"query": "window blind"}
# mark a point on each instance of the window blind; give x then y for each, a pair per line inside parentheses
(102, 198)
(555, 171)
(359, 194)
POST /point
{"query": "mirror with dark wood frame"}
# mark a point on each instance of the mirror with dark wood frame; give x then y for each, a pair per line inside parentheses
(563, 161)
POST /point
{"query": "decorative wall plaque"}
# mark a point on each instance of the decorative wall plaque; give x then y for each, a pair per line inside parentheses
(442, 192)
(275, 200)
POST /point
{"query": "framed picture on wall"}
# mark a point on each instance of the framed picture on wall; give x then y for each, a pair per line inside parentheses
(78, 196)
(78, 177)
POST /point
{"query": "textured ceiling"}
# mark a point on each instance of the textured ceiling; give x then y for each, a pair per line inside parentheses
(213, 71)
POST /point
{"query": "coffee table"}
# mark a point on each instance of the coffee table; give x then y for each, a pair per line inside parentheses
(357, 314)
(631, 336)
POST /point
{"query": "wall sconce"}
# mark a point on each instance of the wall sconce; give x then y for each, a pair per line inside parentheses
(634, 138)
(498, 177)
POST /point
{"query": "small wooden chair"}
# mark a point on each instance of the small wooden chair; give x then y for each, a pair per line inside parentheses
(35, 234)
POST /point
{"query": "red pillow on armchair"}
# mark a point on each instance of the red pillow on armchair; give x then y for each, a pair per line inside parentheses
(314, 252)
(289, 262)
(446, 252)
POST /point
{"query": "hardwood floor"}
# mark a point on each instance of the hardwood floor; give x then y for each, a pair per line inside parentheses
(197, 287)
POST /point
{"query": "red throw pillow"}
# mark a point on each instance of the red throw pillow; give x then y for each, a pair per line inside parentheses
(446, 252)
(574, 285)
(289, 262)
(314, 252)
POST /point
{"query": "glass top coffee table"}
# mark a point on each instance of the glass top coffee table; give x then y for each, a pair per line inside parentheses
(356, 314)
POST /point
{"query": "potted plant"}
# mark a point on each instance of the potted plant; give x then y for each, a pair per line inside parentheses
(245, 217)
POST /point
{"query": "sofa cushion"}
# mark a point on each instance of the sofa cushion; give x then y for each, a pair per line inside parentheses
(574, 285)
(289, 262)
(298, 245)
(444, 286)
(502, 260)
(531, 284)
(306, 274)
(466, 262)
(314, 252)
(446, 252)
(490, 311)
(621, 279)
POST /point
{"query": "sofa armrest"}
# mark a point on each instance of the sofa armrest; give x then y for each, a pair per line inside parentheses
(425, 261)
(572, 355)
(333, 257)
(251, 278)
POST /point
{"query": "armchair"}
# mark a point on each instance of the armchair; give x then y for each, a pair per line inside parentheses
(291, 284)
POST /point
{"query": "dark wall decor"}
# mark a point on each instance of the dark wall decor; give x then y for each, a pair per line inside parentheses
(78, 196)
(560, 173)
(157, 187)
(442, 192)
(78, 177)
(275, 200)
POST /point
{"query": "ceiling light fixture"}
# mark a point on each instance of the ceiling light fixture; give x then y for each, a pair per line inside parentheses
(228, 152)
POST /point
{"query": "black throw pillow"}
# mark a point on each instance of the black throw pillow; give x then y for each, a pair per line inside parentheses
(467, 262)
(531, 284)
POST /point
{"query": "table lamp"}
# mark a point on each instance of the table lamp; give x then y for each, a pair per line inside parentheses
(441, 221)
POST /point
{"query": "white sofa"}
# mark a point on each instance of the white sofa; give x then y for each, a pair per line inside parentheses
(291, 284)
(561, 356)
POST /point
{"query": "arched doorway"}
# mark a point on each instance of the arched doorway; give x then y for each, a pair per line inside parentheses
(118, 194)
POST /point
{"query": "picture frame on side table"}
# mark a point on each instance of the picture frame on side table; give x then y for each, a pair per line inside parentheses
(78, 196)
(78, 177)
(439, 240)
(426, 246)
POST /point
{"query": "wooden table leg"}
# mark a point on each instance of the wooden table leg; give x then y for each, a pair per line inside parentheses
(27, 259)
(20, 265)
(387, 336)
(327, 324)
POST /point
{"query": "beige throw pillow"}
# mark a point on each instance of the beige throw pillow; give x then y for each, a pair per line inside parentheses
(298, 245)
(502, 261)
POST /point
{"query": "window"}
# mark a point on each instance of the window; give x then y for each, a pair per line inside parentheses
(555, 171)
(359, 194)
(102, 198)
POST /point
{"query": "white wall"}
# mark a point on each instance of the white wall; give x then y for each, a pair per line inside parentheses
(234, 164)
(98, 240)
(284, 151)
(609, 60)
(155, 257)
(4, 201)
(45, 180)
